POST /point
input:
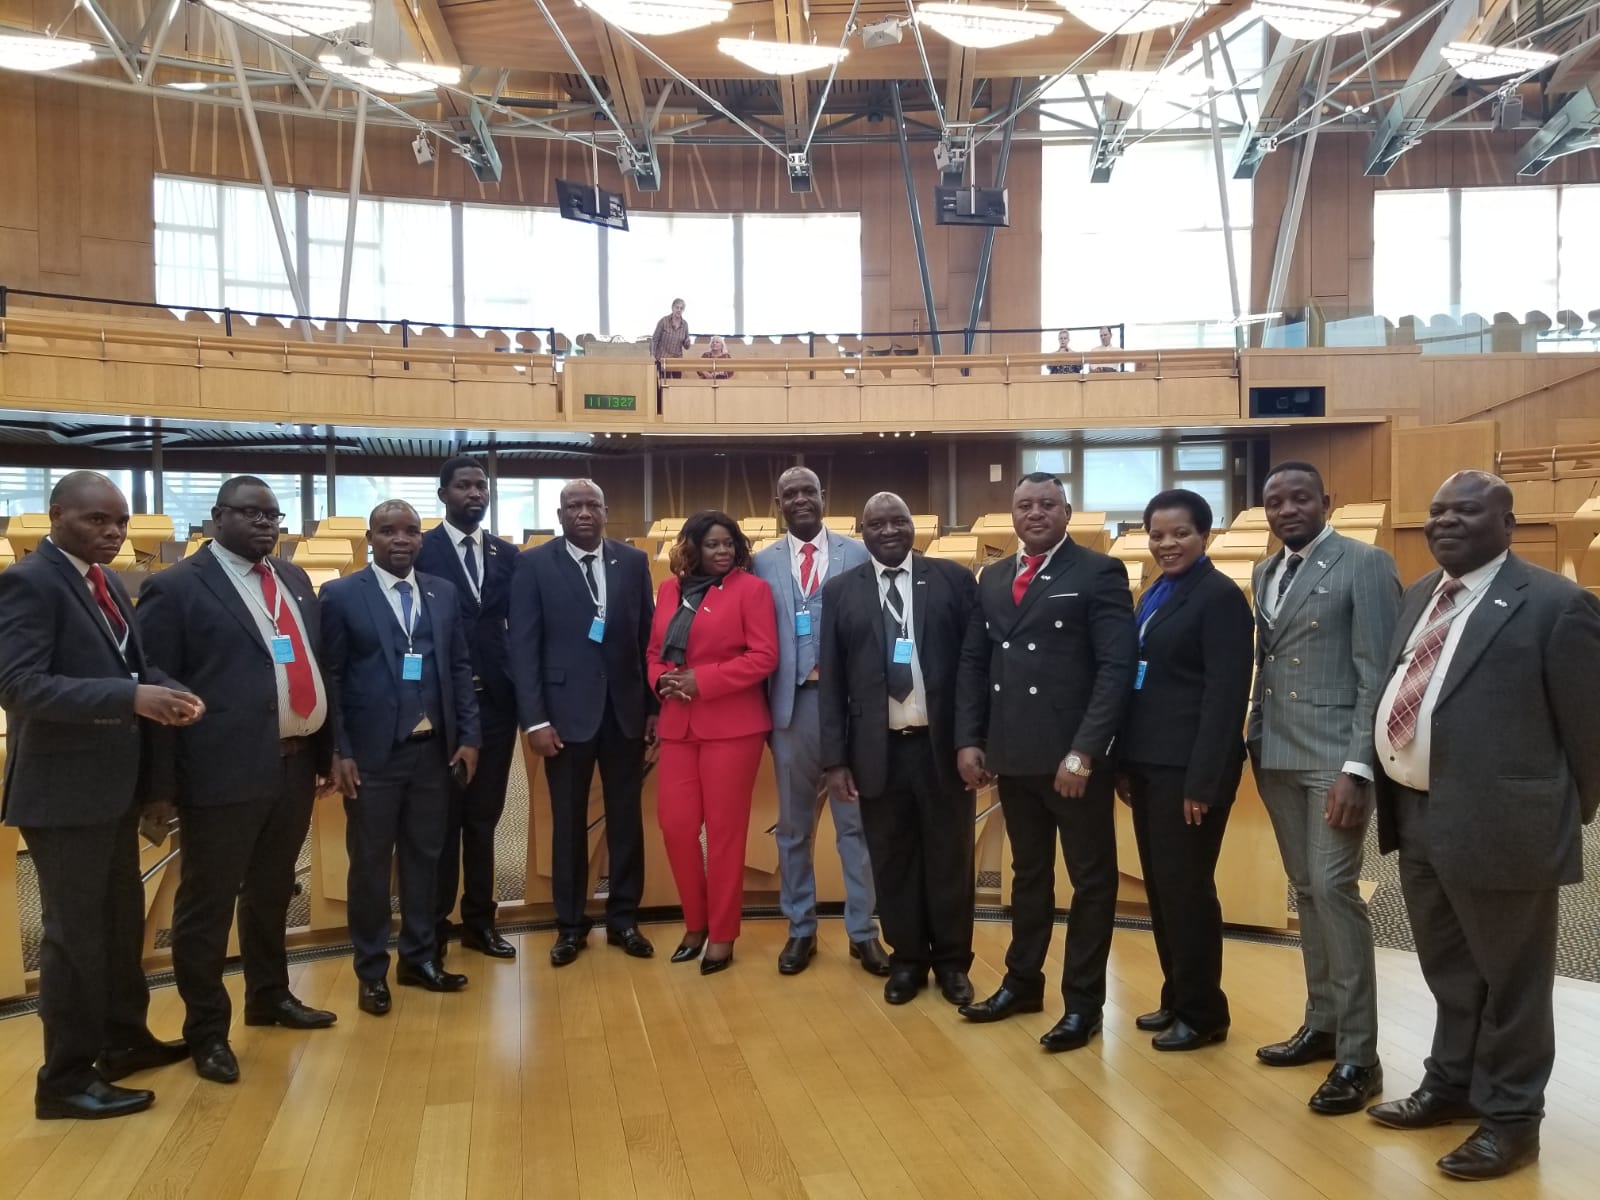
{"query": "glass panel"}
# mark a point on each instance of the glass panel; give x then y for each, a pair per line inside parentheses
(525, 267)
(1121, 479)
(817, 258)
(524, 504)
(1411, 253)
(189, 496)
(1508, 256)
(1202, 458)
(401, 265)
(357, 495)
(1579, 252)
(1215, 492)
(1056, 462)
(663, 257)
(253, 278)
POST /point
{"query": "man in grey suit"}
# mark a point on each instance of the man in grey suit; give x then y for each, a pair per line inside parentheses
(805, 558)
(1325, 609)
(1488, 741)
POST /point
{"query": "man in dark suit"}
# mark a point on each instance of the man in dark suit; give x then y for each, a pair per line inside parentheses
(244, 630)
(480, 566)
(75, 684)
(891, 632)
(581, 607)
(405, 726)
(1488, 748)
(1046, 671)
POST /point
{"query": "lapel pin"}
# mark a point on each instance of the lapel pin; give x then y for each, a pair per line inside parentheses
(1046, 578)
(1501, 602)
(1322, 564)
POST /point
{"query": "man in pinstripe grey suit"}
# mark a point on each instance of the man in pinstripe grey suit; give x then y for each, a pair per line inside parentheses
(1325, 610)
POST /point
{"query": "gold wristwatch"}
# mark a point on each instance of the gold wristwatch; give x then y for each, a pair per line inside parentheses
(1075, 763)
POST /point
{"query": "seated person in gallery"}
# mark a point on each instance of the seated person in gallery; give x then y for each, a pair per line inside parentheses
(718, 350)
(1064, 345)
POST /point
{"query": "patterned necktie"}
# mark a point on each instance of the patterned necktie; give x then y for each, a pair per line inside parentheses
(471, 562)
(1289, 569)
(302, 688)
(1030, 567)
(808, 569)
(894, 627)
(1402, 723)
(102, 597)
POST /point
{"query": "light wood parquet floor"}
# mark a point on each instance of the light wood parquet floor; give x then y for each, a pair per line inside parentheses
(619, 1078)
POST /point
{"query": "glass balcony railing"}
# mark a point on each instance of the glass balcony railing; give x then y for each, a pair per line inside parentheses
(1455, 332)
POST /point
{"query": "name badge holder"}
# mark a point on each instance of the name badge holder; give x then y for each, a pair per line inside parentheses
(902, 644)
(281, 645)
(902, 650)
(411, 661)
(597, 624)
(802, 623)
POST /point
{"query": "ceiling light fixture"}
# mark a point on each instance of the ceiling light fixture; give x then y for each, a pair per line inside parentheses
(1308, 20)
(982, 26)
(1135, 87)
(31, 52)
(781, 58)
(1472, 60)
(659, 17)
(1133, 16)
(395, 79)
(290, 18)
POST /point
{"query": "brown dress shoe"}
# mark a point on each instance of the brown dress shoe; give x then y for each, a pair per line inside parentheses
(1491, 1153)
(1421, 1110)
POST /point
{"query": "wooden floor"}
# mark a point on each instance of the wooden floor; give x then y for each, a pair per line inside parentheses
(621, 1078)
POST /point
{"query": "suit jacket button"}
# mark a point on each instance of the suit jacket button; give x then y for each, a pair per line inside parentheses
(1315, 625)
(1294, 695)
(1033, 691)
(1030, 646)
(1005, 645)
(997, 687)
(1269, 691)
(1058, 624)
(1294, 662)
(1272, 658)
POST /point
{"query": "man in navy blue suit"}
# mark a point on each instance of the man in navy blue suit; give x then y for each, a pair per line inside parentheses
(581, 607)
(480, 566)
(405, 721)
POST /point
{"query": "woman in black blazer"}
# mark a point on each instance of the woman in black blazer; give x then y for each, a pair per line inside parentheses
(1180, 754)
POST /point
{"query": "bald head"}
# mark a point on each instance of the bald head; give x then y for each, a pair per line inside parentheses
(886, 529)
(802, 502)
(88, 516)
(1470, 522)
(583, 513)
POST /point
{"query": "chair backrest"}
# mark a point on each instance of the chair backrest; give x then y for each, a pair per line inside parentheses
(7, 555)
(26, 530)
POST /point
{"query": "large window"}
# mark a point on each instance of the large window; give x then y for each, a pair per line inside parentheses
(1119, 480)
(519, 268)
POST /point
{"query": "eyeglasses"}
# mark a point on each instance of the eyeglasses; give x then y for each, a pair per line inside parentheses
(256, 516)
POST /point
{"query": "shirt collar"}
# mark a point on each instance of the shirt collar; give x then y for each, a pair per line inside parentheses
(83, 567)
(1305, 551)
(388, 581)
(904, 564)
(456, 535)
(820, 541)
(1048, 554)
(1472, 579)
(238, 562)
(578, 551)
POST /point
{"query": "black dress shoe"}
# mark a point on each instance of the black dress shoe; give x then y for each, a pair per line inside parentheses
(1072, 1032)
(1307, 1045)
(96, 1102)
(1004, 1003)
(428, 975)
(118, 1064)
(1491, 1153)
(1421, 1110)
(904, 984)
(954, 986)
(373, 996)
(1180, 1035)
(215, 1061)
(687, 951)
(1347, 1089)
(634, 944)
(484, 941)
(710, 966)
(566, 950)
(874, 959)
(291, 1014)
(1155, 1022)
(797, 954)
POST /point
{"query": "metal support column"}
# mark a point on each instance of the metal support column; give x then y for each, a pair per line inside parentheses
(980, 284)
(1289, 226)
(264, 169)
(157, 472)
(491, 468)
(358, 154)
(916, 218)
(330, 470)
(1222, 201)
(950, 507)
(648, 463)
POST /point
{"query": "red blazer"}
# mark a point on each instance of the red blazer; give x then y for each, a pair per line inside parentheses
(733, 647)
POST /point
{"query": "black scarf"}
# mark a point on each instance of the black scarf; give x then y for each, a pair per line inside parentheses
(692, 590)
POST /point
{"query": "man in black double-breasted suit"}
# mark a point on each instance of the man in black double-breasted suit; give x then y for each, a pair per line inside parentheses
(79, 696)
(1046, 671)
(480, 566)
(243, 629)
(891, 632)
(581, 607)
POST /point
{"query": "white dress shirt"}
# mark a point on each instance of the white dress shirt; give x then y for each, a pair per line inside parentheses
(1408, 765)
(1022, 553)
(913, 710)
(819, 560)
(241, 573)
(476, 538)
(83, 572)
(599, 564)
(387, 582)
(1269, 594)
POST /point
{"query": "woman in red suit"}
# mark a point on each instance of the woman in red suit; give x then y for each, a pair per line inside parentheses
(712, 645)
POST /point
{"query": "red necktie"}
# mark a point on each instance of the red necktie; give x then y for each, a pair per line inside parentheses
(1402, 724)
(808, 569)
(302, 687)
(102, 597)
(1030, 567)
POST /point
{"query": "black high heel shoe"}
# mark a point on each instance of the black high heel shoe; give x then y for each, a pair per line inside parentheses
(710, 966)
(687, 953)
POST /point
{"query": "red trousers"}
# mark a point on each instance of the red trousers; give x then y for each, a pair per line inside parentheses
(708, 783)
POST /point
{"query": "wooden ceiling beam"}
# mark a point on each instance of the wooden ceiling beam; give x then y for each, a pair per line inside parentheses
(793, 25)
(960, 75)
(424, 22)
(617, 64)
